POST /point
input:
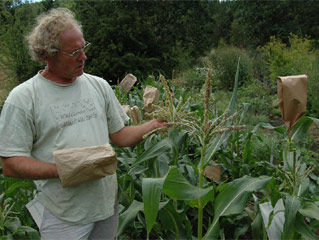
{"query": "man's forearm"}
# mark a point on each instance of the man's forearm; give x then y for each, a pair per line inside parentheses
(28, 168)
(131, 135)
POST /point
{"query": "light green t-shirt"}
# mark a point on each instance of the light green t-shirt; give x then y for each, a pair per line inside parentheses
(40, 116)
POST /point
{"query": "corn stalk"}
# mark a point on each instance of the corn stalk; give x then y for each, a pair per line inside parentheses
(203, 130)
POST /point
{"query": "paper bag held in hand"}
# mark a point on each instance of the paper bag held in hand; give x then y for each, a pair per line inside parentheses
(292, 95)
(79, 165)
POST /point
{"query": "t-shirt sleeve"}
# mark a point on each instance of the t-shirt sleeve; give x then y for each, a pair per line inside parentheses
(116, 115)
(16, 132)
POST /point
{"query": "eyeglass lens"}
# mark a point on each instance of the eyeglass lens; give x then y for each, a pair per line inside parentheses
(77, 52)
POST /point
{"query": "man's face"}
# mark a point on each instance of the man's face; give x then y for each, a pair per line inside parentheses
(67, 67)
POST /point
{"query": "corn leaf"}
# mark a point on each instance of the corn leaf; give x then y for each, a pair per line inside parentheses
(215, 145)
(301, 128)
(174, 185)
(233, 100)
(152, 189)
(303, 188)
(245, 110)
(257, 228)
(233, 199)
(31, 232)
(316, 121)
(292, 204)
(174, 220)
(152, 152)
(268, 126)
(177, 187)
(129, 215)
(302, 228)
(15, 186)
(310, 209)
(273, 218)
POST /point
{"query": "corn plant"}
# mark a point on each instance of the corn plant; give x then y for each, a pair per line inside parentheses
(203, 130)
(10, 224)
(290, 210)
(15, 220)
(299, 205)
(169, 195)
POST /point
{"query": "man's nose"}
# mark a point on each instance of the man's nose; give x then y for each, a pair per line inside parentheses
(82, 56)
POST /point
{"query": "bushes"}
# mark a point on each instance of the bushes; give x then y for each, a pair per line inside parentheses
(224, 62)
(296, 58)
(14, 53)
(257, 94)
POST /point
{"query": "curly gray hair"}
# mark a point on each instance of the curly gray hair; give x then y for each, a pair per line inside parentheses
(44, 38)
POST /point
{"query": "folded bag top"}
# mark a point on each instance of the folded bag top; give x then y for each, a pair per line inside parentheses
(292, 95)
(79, 165)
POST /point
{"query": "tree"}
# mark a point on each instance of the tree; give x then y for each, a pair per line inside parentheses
(256, 21)
(16, 21)
(143, 37)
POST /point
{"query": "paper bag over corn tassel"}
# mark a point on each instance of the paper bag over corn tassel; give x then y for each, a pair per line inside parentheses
(292, 95)
(151, 97)
(128, 82)
(134, 113)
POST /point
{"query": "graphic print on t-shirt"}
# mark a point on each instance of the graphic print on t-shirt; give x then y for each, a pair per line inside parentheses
(68, 114)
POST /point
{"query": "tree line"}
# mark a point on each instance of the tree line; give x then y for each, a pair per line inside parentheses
(150, 37)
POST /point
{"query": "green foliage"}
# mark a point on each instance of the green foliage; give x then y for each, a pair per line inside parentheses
(162, 188)
(130, 37)
(15, 24)
(259, 97)
(222, 13)
(254, 22)
(223, 61)
(233, 199)
(194, 78)
(163, 192)
(10, 224)
(296, 58)
(15, 220)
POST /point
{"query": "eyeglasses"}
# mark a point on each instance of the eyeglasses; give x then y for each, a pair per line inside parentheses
(78, 51)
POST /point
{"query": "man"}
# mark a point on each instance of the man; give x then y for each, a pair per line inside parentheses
(60, 108)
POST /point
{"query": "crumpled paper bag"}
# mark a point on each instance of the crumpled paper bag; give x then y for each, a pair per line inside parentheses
(151, 97)
(292, 96)
(126, 108)
(128, 81)
(134, 113)
(79, 165)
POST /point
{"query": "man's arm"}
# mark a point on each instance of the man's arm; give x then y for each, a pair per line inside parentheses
(131, 135)
(28, 168)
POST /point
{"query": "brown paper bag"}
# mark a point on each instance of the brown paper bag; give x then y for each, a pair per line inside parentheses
(292, 95)
(79, 165)
(151, 96)
(136, 115)
(128, 82)
(127, 109)
(213, 172)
